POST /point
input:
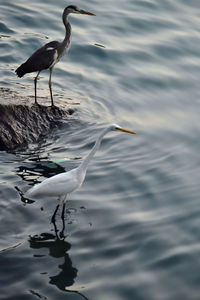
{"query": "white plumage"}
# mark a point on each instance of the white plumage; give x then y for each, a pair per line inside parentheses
(65, 183)
(58, 185)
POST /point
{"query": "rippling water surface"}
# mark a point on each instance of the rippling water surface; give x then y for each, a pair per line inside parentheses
(133, 229)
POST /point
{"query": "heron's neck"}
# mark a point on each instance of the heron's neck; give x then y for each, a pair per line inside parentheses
(83, 166)
(67, 27)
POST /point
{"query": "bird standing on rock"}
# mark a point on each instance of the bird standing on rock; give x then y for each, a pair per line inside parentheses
(47, 56)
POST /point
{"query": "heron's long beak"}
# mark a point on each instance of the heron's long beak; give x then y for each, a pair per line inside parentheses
(86, 13)
(126, 130)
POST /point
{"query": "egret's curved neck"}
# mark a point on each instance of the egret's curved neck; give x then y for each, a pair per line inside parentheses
(83, 166)
(67, 27)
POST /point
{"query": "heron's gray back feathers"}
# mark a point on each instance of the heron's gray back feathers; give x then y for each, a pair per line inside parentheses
(40, 60)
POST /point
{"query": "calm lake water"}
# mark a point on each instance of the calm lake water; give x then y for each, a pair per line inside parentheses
(133, 229)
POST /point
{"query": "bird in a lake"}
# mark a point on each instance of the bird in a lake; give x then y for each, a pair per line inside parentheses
(65, 183)
(47, 56)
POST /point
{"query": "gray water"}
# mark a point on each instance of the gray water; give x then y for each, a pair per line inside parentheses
(133, 229)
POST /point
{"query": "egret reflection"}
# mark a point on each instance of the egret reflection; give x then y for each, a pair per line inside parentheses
(57, 248)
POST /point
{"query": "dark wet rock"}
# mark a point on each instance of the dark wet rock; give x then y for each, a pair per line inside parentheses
(23, 124)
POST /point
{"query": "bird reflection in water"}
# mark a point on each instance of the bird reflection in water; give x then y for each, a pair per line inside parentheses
(58, 248)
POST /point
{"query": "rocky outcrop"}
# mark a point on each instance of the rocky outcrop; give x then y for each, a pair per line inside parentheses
(23, 124)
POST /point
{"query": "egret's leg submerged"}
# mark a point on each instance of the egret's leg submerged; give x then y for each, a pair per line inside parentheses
(62, 200)
(63, 211)
(55, 229)
(50, 89)
(35, 85)
(53, 218)
(63, 217)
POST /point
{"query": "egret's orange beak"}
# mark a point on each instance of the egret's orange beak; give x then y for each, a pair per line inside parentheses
(86, 13)
(126, 130)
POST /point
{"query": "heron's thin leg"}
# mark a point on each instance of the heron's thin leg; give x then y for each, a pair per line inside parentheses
(50, 89)
(54, 214)
(35, 84)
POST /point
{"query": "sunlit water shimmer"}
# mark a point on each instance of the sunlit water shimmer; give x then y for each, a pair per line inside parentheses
(133, 229)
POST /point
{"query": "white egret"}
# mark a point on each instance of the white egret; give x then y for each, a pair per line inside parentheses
(65, 183)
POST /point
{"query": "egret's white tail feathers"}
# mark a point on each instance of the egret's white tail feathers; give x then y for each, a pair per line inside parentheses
(32, 192)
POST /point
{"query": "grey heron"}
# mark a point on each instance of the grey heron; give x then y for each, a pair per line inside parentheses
(47, 56)
(63, 184)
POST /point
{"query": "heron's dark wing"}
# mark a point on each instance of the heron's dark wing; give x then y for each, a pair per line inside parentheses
(41, 59)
